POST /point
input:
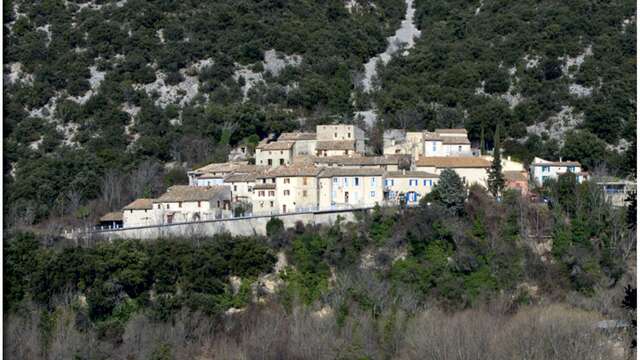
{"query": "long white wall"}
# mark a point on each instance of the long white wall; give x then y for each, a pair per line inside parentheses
(255, 225)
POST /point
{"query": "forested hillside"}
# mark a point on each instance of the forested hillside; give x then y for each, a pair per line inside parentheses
(95, 89)
(97, 86)
(542, 68)
(467, 276)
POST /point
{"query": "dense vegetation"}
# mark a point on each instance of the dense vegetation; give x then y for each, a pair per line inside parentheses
(107, 52)
(521, 50)
(94, 88)
(366, 283)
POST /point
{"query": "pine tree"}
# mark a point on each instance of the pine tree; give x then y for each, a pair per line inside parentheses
(450, 192)
(495, 179)
(482, 151)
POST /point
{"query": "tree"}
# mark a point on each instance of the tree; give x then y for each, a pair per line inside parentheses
(450, 192)
(274, 226)
(629, 303)
(495, 179)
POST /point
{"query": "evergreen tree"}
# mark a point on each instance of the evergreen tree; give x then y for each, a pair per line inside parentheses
(450, 192)
(495, 179)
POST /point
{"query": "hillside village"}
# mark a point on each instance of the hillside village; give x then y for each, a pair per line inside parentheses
(329, 170)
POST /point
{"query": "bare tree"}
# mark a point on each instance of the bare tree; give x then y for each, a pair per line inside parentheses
(111, 189)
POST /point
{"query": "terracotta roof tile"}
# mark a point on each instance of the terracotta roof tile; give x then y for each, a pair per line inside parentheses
(192, 193)
(276, 145)
(453, 162)
(297, 136)
(344, 171)
(411, 174)
(336, 145)
(112, 216)
(139, 204)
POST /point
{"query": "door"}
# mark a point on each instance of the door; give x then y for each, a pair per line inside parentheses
(346, 197)
(169, 218)
(284, 208)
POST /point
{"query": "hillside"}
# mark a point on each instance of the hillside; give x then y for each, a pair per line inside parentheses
(543, 68)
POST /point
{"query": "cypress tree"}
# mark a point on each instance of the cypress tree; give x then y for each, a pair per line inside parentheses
(495, 179)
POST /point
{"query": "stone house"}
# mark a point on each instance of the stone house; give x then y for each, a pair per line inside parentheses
(329, 135)
(350, 187)
(139, 213)
(411, 186)
(542, 170)
(183, 203)
(274, 154)
(472, 170)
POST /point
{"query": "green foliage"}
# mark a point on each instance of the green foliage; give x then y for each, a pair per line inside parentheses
(117, 278)
(495, 177)
(275, 226)
(450, 192)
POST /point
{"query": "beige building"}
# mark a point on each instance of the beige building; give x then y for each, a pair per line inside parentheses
(616, 190)
(401, 142)
(387, 162)
(219, 170)
(408, 186)
(472, 170)
(274, 154)
(447, 142)
(183, 203)
(241, 186)
(264, 200)
(296, 187)
(139, 213)
(304, 143)
(507, 163)
(441, 142)
(337, 148)
(350, 187)
(340, 132)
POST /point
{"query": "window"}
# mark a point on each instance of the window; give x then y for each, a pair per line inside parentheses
(373, 194)
(179, 204)
(459, 148)
(349, 135)
(571, 169)
(167, 206)
(286, 193)
(281, 152)
(272, 193)
(271, 202)
(158, 206)
(260, 193)
(335, 180)
(373, 181)
(346, 152)
(287, 180)
(218, 204)
(281, 161)
(335, 135)
(235, 187)
(346, 181)
(424, 182)
(273, 180)
(356, 181)
(433, 145)
(270, 162)
(304, 193)
(261, 204)
(304, 181)
(545, 169)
